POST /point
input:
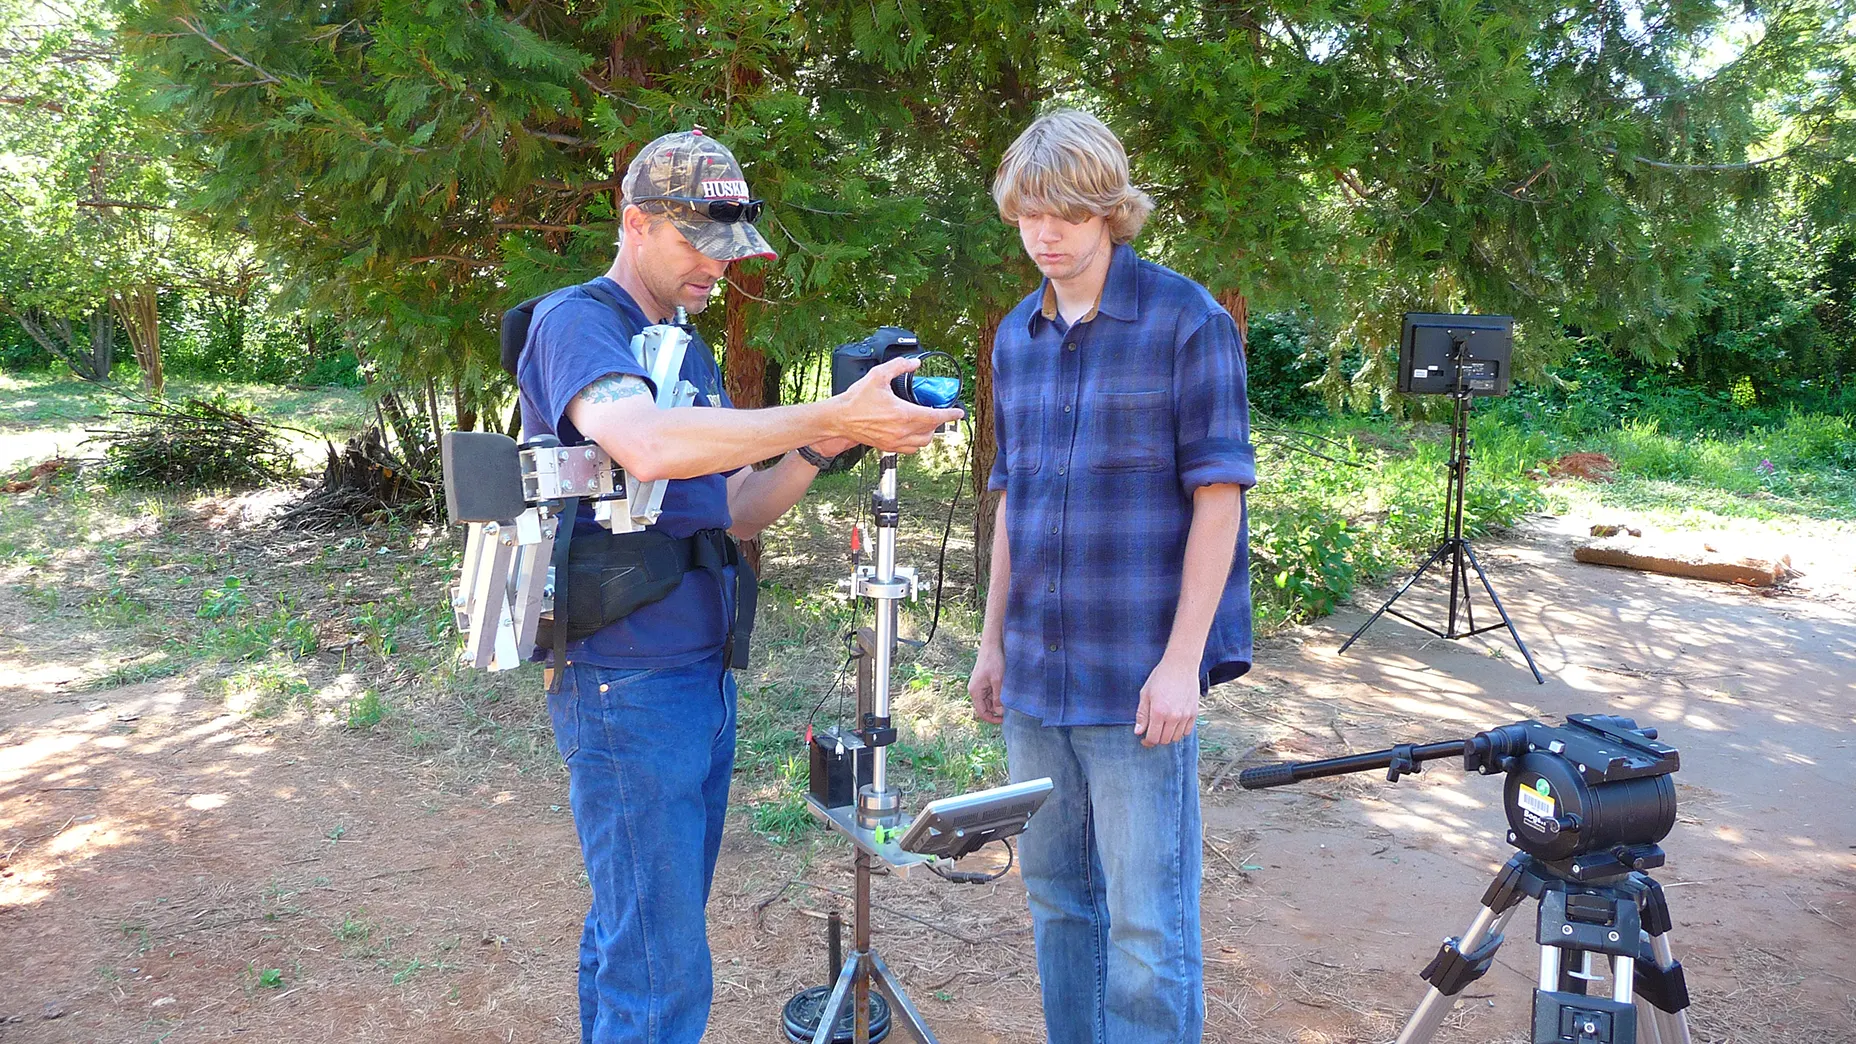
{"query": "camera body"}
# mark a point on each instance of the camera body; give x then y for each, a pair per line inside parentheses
(935, 383)
(849, 362)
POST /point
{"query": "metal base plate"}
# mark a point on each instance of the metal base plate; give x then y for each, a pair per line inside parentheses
(844, 821)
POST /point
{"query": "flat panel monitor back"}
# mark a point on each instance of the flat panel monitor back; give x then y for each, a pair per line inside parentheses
(1429, 340)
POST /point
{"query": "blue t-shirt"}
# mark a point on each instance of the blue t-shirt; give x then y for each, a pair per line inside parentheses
(576, 337)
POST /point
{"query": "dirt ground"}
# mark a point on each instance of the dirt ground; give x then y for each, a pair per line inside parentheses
(173, 871)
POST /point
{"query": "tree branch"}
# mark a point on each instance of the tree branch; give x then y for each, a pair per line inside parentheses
(1706, 167)
(264, 77)
(475, 262)
(121, 204)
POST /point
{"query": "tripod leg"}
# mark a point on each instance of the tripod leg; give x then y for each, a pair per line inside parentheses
(1512, 633)
(840, 996)
(1381, 611)
(899, 1002)
(1458, 963)
(1662, 995)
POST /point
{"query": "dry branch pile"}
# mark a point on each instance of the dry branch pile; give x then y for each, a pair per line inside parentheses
(192, 444)
(361, 483)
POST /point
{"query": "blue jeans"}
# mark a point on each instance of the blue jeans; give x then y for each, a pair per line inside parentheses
(649, 755)
(1112, 864)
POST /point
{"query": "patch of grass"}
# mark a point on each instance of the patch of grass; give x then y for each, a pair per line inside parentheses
(416, 966)
(116, 608)
(148, 668)
(223, 601)
(1803, 466)
(268, 690)
(365, 711)
(355, 927)
(783, 819)
(281, 630)
(46, 596)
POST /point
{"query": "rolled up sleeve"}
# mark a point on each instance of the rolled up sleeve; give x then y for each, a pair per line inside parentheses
(1212, 408)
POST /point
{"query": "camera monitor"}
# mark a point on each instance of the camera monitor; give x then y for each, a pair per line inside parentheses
(1431, 346)
(953, 826)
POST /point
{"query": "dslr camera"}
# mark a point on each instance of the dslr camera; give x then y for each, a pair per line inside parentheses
(936, 383)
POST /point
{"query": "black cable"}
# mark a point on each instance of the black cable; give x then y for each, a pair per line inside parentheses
(940, 578)
(974, 876)
(837, 686)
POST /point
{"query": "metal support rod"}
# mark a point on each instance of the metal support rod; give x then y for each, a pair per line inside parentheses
(834, 945)
(1436, 1004)
(1671, 1026)
(885, 614)
(861, 940)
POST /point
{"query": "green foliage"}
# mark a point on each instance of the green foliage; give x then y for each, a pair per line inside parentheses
(365, 711)
(222, 601)
(1307, 554)
(1371, 503)
(1283, 359)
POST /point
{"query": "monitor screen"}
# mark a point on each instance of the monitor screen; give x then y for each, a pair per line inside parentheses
(1431, 345)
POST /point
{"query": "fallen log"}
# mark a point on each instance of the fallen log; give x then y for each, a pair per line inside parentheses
(1693, 559)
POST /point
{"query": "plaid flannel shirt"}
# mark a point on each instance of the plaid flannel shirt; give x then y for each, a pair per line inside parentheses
(1105, 429)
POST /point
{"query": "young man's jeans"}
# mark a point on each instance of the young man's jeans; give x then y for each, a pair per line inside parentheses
(1112, 865)
(649, 754)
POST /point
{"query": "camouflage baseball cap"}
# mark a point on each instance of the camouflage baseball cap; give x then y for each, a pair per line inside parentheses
(691, 166)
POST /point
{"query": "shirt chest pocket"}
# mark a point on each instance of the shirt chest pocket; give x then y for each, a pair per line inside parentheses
(1022, 418)
(1130, 431)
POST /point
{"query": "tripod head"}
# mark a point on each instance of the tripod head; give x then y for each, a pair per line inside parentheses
(1591, 798)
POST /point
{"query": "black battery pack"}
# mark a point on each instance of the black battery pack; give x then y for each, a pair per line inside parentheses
(840, 764)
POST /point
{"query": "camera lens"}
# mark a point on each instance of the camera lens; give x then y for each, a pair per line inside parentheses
(936, 383)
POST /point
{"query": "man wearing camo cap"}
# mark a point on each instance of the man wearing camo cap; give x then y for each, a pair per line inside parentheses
(644, 714)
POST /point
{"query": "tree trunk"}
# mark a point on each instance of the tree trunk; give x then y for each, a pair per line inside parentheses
(466, 415)
(985, 447)
(1239, 306)
(53, 333)
(745, 377)
(770, 394)
(412, 445)
(141, 320)
(102, 343)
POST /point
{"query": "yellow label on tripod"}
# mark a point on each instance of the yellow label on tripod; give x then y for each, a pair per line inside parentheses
(1538, 799)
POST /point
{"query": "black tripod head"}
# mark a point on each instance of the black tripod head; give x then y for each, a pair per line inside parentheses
(1591, 798)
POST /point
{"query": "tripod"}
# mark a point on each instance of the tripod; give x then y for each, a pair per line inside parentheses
(1455, 546)
(1598, 912)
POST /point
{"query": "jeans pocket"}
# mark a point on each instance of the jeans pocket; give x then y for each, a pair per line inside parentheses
(730, 700)
(564, 711)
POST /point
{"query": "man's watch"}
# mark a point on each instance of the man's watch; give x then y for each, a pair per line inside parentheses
(815, 458)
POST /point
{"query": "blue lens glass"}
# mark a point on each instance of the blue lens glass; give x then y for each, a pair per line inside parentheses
(938, 392)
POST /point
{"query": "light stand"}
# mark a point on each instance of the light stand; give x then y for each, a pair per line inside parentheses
(1455, 545)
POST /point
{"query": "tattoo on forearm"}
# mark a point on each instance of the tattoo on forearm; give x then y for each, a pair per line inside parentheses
(613, 387)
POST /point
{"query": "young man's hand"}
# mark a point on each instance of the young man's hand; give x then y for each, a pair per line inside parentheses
(1169, 703)
(870, 413)
(987, 683)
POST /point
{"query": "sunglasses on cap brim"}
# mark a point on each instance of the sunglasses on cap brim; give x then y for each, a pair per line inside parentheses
(727, 211)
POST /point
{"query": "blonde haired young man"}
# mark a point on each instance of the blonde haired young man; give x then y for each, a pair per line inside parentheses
(1120, 583)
